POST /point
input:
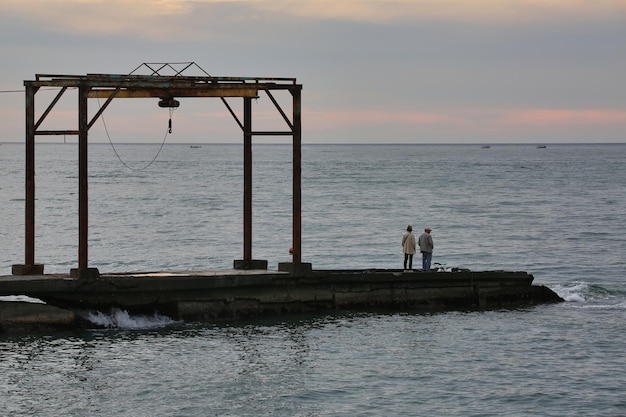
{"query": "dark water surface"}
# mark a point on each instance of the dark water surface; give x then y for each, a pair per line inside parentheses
(557, 213)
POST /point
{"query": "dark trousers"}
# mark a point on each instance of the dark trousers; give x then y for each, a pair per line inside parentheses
(426, 259)
(408, 257)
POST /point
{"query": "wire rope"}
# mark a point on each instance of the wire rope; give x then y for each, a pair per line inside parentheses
(143, 168)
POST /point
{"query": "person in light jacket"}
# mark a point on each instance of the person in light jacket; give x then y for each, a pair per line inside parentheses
(426, 247)
(408, 247)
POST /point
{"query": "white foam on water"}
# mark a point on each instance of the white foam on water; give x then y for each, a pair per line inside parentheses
(121, 319)
(589, 296)
(573, 292)
(21, 298)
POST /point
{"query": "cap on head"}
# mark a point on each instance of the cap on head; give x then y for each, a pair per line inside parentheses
(427, 229)
(409, 228)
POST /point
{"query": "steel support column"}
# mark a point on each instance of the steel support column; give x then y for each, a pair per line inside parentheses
(83, 271)
(83, 195)
(297, 178)
(247, 179)
(30, 176)
(29, 267)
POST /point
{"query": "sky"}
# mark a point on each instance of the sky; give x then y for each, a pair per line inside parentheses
(372, 71)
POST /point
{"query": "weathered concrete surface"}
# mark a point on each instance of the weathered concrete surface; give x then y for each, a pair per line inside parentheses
(209, 295)
(19, 316)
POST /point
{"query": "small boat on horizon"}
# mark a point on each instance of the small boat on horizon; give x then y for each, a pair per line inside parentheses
(485, 147)
(541, 146)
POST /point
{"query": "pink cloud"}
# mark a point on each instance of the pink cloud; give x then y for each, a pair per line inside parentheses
(471, 118)
(564, 117)
(469, 124)
(334, 119)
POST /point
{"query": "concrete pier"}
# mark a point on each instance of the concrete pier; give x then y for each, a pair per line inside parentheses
(219, 294)
(20, 316)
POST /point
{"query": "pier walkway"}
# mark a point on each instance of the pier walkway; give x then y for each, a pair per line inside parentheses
(231, 294)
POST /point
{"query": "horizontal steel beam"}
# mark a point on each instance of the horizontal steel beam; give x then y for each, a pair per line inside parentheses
(271, 133)
(56, 132)
(210, 86)
(175, 92)
(118, 77)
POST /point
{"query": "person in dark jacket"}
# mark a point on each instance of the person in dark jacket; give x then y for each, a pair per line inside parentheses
(426, 247)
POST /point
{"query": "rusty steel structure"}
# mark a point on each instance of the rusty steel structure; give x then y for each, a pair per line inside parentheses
(166, 88)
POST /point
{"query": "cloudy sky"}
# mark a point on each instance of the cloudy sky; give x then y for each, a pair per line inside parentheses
(373, 71)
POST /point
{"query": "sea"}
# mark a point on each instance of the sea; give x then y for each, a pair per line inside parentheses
(557, 212)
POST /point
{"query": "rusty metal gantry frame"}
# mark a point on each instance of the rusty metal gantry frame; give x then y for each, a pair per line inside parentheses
(111, 86)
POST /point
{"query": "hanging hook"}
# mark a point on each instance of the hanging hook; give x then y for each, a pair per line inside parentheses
(169, 125)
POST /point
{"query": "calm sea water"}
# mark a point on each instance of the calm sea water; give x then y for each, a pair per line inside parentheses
(556, 212)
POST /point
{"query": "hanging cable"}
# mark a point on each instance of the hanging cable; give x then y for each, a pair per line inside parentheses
(167, 131)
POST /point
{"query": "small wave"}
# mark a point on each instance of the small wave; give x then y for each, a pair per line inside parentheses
(579, 291)
(607, 306)
(121, 319)
(573, 292)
